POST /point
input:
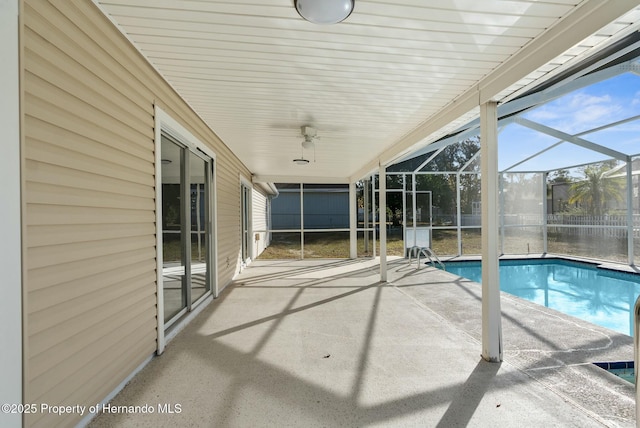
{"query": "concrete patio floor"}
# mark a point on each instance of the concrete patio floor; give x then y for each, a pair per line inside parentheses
(321, 343)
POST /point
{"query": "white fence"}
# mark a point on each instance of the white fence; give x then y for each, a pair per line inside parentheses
(611, 226)
(614, 226)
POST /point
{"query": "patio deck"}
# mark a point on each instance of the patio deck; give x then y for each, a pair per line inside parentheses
(323, 343)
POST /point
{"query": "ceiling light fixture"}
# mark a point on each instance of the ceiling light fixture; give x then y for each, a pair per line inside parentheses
(310, 136)
(308, 143)
(300, 161)
(324, 11)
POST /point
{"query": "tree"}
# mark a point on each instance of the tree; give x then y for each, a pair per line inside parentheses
(560, 176)
(596, 189)
(443, 186)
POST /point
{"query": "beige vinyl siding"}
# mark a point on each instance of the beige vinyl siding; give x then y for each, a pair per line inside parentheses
(229, 215)
(259, 221)
(88, 155)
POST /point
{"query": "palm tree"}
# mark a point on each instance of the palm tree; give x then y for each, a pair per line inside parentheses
(596, 189)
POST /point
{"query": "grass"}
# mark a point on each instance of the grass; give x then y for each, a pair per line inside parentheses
(325, 245)
(445, 243)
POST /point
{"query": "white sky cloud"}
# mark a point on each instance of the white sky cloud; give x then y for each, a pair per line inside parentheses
(577, 112)
(603, 103)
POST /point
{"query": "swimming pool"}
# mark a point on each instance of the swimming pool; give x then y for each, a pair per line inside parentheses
(600, 296)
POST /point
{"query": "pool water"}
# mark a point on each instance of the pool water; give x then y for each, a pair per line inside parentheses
(626, 374)
(623, 369)
(600, 296)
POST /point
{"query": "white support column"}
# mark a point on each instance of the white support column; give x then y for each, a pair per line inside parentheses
(301, 221)
(10, 216)
(501, 205)
(545, 211)
(630, 251)
(491, 317)
(373, 212)
(382, 179)
(414, 209)
(366, 212)
(353, 221)
(458, 214)
(404, 213)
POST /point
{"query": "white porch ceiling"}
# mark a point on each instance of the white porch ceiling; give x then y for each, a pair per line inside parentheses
(391, 78)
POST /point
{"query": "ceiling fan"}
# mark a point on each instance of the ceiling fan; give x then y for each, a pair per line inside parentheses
(310, 135)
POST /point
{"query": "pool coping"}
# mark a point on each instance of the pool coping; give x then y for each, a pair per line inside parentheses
(602, 264)
(560, 354)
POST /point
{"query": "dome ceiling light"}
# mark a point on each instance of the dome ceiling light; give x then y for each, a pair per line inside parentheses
(300, 161)
(324, 11)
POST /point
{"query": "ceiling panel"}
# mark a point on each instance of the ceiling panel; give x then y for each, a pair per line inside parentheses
(256, 72)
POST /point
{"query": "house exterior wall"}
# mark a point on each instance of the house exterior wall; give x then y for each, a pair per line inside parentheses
(322, 209)
(285, 210)
(326, 210)
(88, 152)
(260, 221)
(10, 224)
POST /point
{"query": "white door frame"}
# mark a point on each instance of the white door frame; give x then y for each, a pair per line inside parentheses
(11, 304)
(166, 124)
(244, 183)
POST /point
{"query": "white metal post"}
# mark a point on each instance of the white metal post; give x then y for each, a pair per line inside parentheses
(414, 209)
(491, 317)
(404, 214)
(301, 221)
(458, 214)
(630, 251)
(382, 179)
(373, 213)
(353, 221)
(545, 216)
(502, 212)
(365, 213)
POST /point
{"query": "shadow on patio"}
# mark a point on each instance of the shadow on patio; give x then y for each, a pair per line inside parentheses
(323, 343)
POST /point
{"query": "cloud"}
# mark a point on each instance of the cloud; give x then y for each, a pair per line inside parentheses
(578, 112)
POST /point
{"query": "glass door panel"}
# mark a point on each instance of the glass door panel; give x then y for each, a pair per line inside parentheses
(173, 255)
(186, 228)
(246, 212)
(198, 185)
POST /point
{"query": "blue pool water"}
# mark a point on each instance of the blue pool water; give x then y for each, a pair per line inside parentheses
(622, 369)
(599, 296)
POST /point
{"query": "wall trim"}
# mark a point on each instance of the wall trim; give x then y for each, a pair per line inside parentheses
(245, 182)
(11, 309)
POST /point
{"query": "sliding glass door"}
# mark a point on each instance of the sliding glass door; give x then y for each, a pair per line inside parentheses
(245, 217)
(199, 236)
(186, 227)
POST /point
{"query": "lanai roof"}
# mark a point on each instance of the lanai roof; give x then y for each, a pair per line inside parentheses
(390, 79)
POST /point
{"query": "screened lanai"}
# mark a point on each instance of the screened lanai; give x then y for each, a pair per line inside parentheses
(568, 166)
(568, 173)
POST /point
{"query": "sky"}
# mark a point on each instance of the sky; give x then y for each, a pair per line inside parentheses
(587, 108)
